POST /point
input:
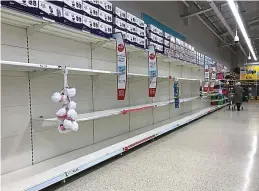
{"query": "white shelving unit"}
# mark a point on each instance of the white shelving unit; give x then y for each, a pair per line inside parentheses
(104, 131)
(40, 176)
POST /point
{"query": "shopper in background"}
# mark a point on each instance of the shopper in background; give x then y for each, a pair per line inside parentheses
(238, 90)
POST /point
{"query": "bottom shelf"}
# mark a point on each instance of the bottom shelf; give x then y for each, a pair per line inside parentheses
(46, 173)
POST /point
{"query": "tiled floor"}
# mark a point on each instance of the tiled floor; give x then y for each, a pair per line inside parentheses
(219, 152)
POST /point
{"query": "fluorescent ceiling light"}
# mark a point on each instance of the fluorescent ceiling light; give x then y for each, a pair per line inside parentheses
(241, 26)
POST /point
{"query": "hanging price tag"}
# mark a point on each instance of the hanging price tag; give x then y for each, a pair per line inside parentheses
(121, 66)
(152, 70)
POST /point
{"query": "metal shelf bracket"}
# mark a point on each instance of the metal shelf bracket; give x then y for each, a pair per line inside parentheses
(35, 28)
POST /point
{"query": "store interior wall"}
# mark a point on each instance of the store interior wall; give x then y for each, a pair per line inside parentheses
(26, 140)
(196, 33)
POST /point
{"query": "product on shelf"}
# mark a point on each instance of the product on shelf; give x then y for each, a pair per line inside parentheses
(105, 6)
(74, 5)
(140, 42)
(166, 50)
(104, 30)
(172, 39)
(90, 24)
(169, 52)
(105, 17)
(29, 6)
(120, 13)
(140, 23)
(167, 36)
(95, 3)
(119, 24)
(90, 10)
(131, 28)
(152, 29)
(49, 10)
(130, 38)
(159, 48)
(155, 38)
(132, 19)
(72, 18)
(140, 32)
(172, 46)
(200, 59)
(167, 43)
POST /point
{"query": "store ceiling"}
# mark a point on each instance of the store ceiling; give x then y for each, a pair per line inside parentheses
(249, 12)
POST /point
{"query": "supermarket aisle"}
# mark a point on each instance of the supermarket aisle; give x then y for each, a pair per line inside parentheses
(219, 152)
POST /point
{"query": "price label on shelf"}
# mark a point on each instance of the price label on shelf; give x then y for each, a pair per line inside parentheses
(121, 66)
(152, 70)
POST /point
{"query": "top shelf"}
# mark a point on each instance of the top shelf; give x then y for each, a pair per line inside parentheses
(24, 20)
(33, 24)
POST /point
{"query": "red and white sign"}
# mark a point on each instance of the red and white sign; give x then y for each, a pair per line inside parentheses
(121, 66)
(213, 73)
(206, 86)
(212, 84)
(152, 70)
(206, 72)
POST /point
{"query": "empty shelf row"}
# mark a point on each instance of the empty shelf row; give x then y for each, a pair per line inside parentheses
(34, 68)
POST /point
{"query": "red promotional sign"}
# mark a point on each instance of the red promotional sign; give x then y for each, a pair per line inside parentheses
(152, 71)
(121, 66)
(206, 86)
(212, 86)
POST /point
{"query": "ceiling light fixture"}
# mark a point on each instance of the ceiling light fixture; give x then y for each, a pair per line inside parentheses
(249, 56)
(241, 26)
